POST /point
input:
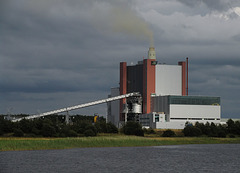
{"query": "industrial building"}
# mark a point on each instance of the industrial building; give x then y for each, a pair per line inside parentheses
(163, 100)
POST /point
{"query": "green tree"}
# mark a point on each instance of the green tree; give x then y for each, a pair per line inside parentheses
(192, 131)
(6, 126)
(132, 128)
(48, 130)
(26, 125)
(231, 127)
(214, 130)
(237, 126)
(18, 133)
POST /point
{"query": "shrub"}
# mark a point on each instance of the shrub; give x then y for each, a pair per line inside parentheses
(168, 133)
(89, 132)
(91, 127)
(26, 125)
(18, 133)
(6, 126)
(231, 136)
(222, 134)
(132, 128)
(36, 131)
(72, 133)
(48, 130)
(149, 131)
(237, 125)
(139, 132)
(192, 131)
(111, 128)
(103, 127)
(1, 131)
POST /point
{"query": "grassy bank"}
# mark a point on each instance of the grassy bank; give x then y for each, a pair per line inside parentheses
(13, 144)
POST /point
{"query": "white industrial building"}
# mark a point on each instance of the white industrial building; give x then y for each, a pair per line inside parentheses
(172, 112)
(164, 102)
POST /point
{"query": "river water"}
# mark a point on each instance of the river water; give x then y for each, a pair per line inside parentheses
(177, 158)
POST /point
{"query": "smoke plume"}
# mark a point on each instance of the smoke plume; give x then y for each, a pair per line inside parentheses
(126, 21)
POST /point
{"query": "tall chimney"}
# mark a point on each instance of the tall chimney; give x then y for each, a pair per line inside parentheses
(151, 53)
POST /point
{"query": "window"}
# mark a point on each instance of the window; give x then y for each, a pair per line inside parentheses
(194, 100)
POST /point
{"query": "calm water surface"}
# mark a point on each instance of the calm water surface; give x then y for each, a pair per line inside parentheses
(178, 158)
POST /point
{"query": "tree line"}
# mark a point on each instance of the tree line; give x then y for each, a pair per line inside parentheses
(55, 126)
(80, 126)
(231, 129)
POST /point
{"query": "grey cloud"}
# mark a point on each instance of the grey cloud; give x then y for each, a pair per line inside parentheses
(218, 5)
(190, 3)
(217, 80)
(60, 53)
(236, 38)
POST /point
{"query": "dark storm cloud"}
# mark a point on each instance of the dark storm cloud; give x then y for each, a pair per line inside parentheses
(52, 48)
(55, 53)
(219, 5)
(217, 80)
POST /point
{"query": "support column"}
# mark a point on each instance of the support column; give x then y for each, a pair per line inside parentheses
(149, 80)
(123, 88)
(67, 118)
(183, 64)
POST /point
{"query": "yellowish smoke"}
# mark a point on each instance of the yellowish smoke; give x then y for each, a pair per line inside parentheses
(126, 21)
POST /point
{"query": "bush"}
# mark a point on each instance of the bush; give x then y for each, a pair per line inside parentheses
(111, 128)
(6, 126)
(91, 127)
(89, 132)
(26, 125)
(192, 131)
(132, 128)
(18, 133)
(149, 131)
(1, 132)
(139, 132)
(168, 133)
(103, 127)
(222, 134)
(231, 136)
(36, 131)
(48, 130)
(72, 133)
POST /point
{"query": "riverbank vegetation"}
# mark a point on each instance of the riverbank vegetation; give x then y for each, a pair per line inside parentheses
(84, 126)
(231, 129)
(55, 126)
(53, 133)
(113, 140)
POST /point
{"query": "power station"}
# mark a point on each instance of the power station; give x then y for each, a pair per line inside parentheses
(153, 94)
(163, 100)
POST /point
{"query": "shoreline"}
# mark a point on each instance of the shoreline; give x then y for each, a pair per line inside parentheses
(21, 143)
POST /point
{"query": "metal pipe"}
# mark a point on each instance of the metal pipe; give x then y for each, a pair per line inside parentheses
(78, 106)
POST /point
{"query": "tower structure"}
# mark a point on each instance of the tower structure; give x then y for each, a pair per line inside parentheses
(150, 78)
(163, 101)
(151, 53)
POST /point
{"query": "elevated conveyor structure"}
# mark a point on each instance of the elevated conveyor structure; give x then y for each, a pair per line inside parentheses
(77, 107)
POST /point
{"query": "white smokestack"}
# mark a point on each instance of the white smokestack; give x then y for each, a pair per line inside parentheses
(151, 53)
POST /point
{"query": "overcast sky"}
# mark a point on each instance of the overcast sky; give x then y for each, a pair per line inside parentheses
(58, 53)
